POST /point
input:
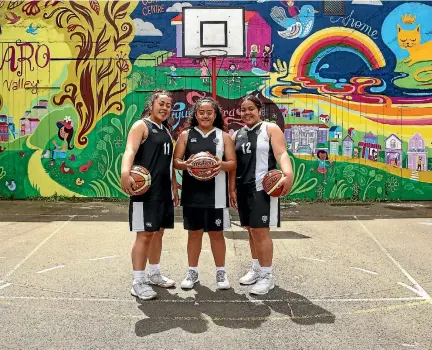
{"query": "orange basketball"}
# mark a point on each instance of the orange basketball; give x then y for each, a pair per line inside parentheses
(142, 179)
(271, 181)
(203, 166)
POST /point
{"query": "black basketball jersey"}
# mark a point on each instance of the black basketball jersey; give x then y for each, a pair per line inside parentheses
(205, 194)
(254, 156)
(155, 154)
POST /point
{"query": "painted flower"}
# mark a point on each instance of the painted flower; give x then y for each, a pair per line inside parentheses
(118, 141)
(68, 119)
(392, 184)
(122, 64)
(31, 8)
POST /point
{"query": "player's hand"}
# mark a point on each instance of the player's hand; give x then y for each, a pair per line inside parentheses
(128, 184)
(286, 186)
(233, 199)
(218, 166)
(176, 199)
(188, 163)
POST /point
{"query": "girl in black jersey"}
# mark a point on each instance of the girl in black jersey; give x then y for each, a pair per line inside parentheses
(259, 146)
(205, 203)
(150, 145)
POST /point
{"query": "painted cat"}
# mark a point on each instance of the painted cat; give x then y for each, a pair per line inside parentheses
(410, 41)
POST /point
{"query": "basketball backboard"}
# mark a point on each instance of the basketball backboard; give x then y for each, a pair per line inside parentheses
(214, 28)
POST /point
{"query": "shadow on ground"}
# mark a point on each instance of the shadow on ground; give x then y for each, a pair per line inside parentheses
(226, 309)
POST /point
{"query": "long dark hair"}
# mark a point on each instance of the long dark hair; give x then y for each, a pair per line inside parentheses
(255, 100)
(69, 132)
(148, 108)
(218, 122)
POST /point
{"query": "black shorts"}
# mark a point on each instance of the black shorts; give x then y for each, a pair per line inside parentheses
(207, 219)
(258, 209)
(151, 216)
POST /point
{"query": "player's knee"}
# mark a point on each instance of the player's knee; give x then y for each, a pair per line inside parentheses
(216, 236)
(195, 235)
(144, 237)
(259, 234)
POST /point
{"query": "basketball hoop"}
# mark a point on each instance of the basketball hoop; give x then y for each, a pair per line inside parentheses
(214, 54)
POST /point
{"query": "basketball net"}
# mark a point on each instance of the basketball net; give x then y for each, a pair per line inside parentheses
(214, 54)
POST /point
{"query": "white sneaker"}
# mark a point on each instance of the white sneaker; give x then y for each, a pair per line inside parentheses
(157, 279)
(190, 280)
(251, 277)
(222, 280)
(142, 290)
(264, 284)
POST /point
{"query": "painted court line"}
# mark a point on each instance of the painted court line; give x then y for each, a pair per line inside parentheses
(216, 301)
(314, 259)
(426, 223)
(367, 271)
(5, 285)
(417, 289)
(29, 255)
(51, 268)
(105, 257)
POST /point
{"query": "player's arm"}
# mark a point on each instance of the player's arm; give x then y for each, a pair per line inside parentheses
(179, 152)
(230, 162)
(137, 133)
(278, 143)
(175, 188)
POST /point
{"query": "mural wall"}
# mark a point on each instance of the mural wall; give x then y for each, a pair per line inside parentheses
(349, 83)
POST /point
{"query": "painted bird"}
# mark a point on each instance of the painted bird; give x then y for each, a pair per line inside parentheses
(298, 27)
(13, 18)
(32, 30)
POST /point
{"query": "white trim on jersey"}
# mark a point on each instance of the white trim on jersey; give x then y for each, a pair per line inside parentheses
(172, 159)
(205, 135)
(161, 126)
(274, 211)
(221, 178)
(138, 217)
(262, 156)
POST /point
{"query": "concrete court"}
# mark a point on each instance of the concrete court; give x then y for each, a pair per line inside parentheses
(348, 277)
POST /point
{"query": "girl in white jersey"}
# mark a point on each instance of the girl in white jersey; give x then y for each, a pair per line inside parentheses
(150, 145)
(259, 146)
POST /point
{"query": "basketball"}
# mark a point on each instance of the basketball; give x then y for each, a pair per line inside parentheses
(271, 181)
(142, 179)
(203, 166)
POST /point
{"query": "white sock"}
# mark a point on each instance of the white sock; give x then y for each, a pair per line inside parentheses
(255, 264)
(220, 268)
(267, 269)
(139, 275)
(193, 268)
(153, 268)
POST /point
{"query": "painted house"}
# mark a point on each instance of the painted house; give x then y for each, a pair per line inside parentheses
(347, 146)
(351, 131)
(416, 152)
(258, 32)
(28, 125)
(393, 151)
(370, 146)
(336, 132)
(295, 113)
(304, 138)
(324, 118)
(308, 114)
(334, 147)
(4, 129)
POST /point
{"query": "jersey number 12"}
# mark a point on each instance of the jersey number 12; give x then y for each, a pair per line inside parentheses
(246, 147)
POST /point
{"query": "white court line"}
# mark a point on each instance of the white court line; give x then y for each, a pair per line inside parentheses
(105, 257)
(51, 268)
(425, 223)
(367, 271)
(5, 285)
(29, 255)
(314, 259)
(175, 301)
(205, 251)
(417, 288)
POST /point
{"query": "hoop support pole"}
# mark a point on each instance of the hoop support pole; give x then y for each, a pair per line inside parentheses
(214, 77)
